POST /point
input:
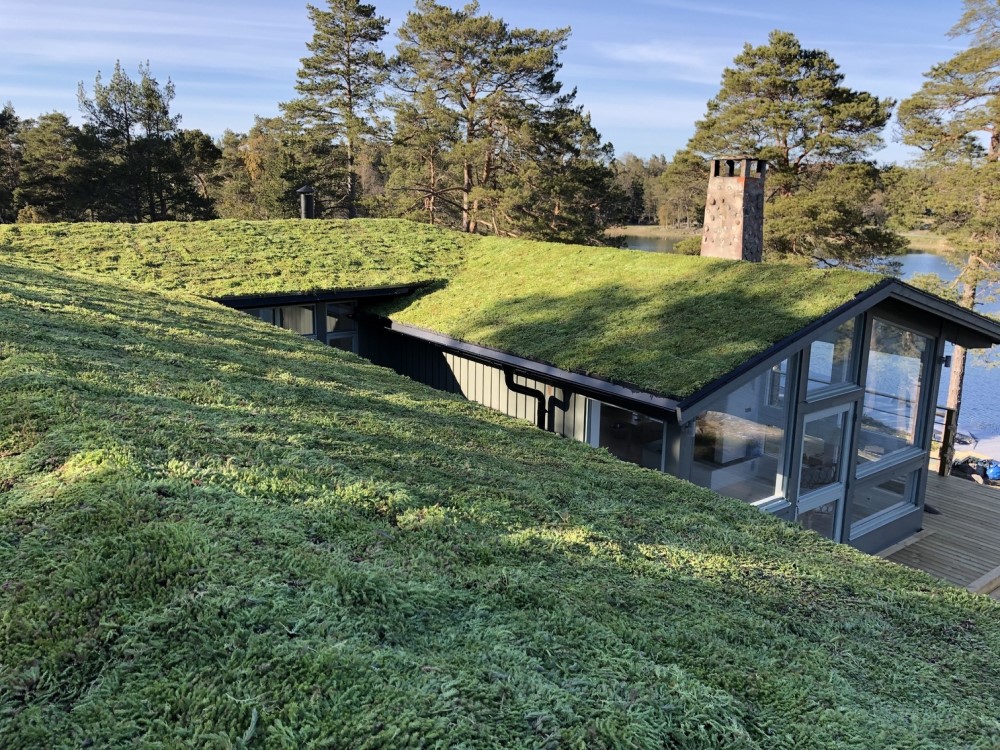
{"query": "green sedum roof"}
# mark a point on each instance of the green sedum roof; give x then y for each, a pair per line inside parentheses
(214, 533)
(228, 257)
(665, 323)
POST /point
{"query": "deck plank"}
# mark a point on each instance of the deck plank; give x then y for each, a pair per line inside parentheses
(964, 546)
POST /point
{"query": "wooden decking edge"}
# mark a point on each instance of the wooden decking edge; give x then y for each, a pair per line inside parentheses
(986, 583)
(889, 551)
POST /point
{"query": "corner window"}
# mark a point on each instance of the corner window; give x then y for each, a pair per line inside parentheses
(890, 494)
(629, 436)
(894, 384)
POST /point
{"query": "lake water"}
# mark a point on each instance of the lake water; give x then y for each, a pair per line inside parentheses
(650, 244)
(980, 415)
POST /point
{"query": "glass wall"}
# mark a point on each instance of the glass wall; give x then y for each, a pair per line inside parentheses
(341, 325)
(893, 387)
(628, 435)
(831, 360)
(880, 496)
(739, 447)
(298, 318)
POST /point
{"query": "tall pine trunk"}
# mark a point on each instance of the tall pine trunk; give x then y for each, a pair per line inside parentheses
(959, 354)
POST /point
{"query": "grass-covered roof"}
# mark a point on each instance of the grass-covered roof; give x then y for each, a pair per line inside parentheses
(214, 533)
(665, 323)
(227, 257)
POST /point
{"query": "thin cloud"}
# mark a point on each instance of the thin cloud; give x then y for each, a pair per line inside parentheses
(693, 63)
(716, 10)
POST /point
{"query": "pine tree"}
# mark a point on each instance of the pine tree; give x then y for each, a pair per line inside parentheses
(788, 105)
(955, 120)
(10, 161)
(132, 126)
(340, 84)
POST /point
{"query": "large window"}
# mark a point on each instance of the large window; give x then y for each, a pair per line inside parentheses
(893, 389)
(341, 326)
(740, 446)
(627, 435)
(298, 318)
(883, 496)
(831, 360)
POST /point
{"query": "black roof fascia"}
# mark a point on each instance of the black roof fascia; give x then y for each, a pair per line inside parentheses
(247, 301)
(585, 385)
(985, 331)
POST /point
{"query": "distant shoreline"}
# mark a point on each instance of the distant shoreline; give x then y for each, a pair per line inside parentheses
(920, 240)
(652, 231)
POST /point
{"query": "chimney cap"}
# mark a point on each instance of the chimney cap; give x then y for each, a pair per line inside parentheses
(306, 190)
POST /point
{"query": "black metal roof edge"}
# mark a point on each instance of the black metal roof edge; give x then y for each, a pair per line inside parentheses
(885, 289)
(978, 322)
(586, 385)
(872, 296)
(321, 295)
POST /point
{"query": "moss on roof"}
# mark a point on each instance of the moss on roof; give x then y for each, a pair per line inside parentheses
(227, 257)
(665, 323)
(216, 534)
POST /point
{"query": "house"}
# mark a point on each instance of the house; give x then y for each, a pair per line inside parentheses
(807, 393)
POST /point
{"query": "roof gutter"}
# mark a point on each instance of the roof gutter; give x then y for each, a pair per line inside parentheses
(584, 385)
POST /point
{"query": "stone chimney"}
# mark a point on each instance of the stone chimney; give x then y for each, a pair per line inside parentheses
(734, 209)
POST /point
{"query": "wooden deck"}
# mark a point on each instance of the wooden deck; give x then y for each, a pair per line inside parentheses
(962, 544)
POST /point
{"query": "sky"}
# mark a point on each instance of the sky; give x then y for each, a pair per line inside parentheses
(644, 69)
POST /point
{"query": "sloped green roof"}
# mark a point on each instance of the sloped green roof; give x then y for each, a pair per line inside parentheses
(665, 323)
(227, 257)
(214, 533)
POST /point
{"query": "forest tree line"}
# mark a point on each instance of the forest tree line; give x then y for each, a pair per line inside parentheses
(467, 125)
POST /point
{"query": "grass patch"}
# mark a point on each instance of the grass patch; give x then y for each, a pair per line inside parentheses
(923, 241)
(216, 534)
(663, 323)
(651, 230)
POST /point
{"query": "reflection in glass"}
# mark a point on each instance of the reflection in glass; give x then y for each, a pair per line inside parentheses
(822, 520)
(740, 448)
(298, 318)
(631, 437)
(831, 359)
(339, 317)
(822, 451)
(891, 493)
(893, 387)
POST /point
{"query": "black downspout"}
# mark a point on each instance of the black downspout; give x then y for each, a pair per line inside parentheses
(508, 379)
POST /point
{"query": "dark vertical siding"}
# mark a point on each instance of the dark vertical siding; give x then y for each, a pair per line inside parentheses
(476, 381)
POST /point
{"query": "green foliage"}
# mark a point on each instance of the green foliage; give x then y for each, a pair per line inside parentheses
(682, 189)
(135, 171)
(485, 140)
(832, 217)
(339, 85)
(960, 98)
(53, 179)
(214, 533)
(788, 105)
(229, 257)
(665, 323)
(10, 161)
